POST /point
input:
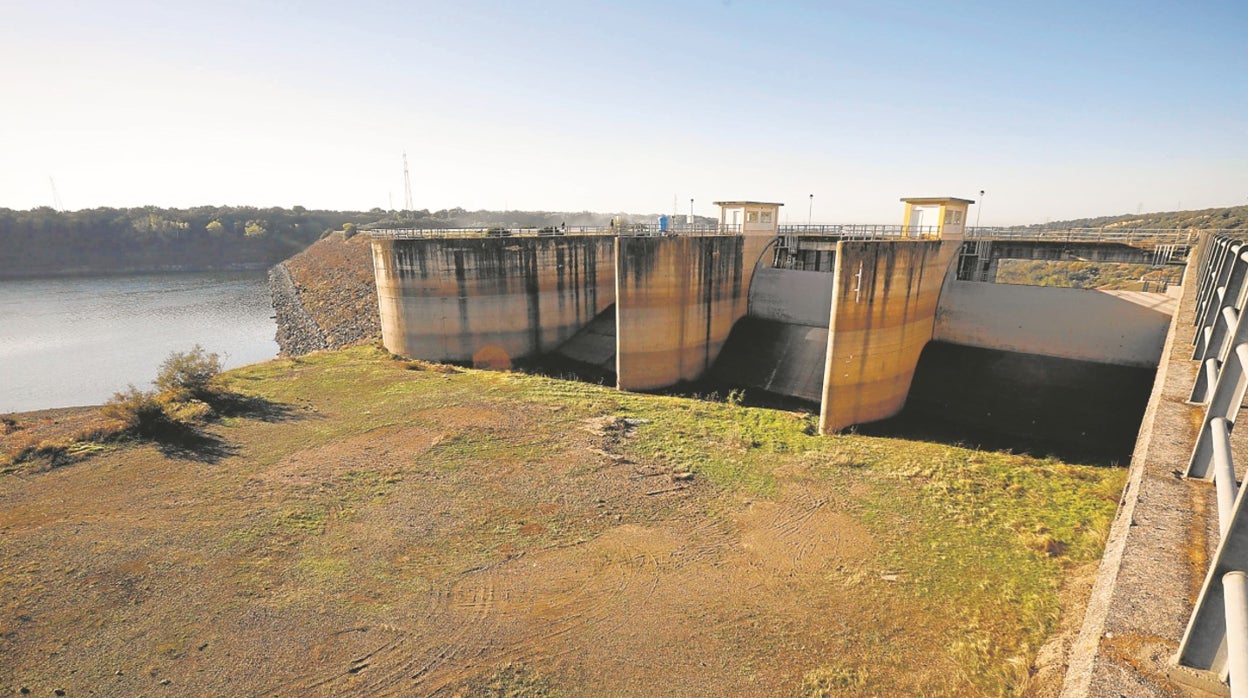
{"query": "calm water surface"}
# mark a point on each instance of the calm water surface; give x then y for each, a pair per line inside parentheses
(66, 342)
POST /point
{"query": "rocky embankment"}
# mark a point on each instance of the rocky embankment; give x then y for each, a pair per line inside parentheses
(325, 297)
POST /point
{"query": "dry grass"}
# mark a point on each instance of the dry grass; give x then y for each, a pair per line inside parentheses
(382, 530)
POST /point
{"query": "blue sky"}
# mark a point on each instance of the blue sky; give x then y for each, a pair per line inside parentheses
(1055, 109)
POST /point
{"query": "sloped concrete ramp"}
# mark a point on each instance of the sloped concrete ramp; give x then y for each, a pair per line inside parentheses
(779, 357)
(593, 344)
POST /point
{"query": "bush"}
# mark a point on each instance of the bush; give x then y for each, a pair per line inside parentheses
(188, 374)
(137, 411)
(348, 231)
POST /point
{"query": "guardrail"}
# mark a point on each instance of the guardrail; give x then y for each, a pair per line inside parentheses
(862, 232)
(1216, 639)
(1129, 236)
(625, 229)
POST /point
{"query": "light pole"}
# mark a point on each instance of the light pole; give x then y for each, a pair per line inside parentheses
(690, 214)
(810, 211)
(980, 210)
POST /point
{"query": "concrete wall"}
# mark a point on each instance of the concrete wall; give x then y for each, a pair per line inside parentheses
(677, 299)
(791, 296)
(1112, 327)
(456, 299)
(883, 310)
(1069, 251)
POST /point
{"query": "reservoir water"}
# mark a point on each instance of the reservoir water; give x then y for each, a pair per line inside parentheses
(76, 341)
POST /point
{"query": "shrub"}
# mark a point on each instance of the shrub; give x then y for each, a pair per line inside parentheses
(188, 411)
(188, 374)
(348, 231)
(137, 411)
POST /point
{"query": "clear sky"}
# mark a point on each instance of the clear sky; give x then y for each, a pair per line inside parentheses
(1055, 109)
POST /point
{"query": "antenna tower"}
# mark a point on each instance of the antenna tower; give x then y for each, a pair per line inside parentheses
(56, 198)
(407, 186)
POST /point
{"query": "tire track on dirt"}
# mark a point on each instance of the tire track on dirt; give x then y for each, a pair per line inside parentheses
(798, 536)
(531, 609)
(695, 584)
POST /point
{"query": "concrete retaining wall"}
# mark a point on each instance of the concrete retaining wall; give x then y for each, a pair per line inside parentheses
(883, 311)
(1121, 328)
(677, 300)
(494, 299)
(1114, 252)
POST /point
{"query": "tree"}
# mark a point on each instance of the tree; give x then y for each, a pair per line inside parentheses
(188, 373)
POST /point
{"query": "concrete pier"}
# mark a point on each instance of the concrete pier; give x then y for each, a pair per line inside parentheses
(490, 300)
(677, 299)
(883, 312)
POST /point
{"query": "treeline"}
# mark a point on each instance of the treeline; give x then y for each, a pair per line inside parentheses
(44, 241)
(460, 218)
(1231, 217)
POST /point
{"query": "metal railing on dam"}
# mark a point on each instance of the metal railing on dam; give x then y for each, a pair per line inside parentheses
(857, 231)
(1128, 236)
(1216, 639)
(623, 230)
(844, 231)
(839, 231)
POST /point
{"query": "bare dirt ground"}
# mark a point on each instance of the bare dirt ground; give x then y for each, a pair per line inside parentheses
(457, 546)
(110, 587)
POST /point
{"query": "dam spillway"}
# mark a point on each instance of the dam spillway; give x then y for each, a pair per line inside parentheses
(834, 317)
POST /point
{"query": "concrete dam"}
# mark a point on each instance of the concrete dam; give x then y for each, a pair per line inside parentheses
(834, 315)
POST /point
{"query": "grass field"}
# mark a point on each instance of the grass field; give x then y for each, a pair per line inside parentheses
(382, 527)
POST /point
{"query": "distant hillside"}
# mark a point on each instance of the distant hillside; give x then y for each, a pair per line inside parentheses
(44, 241)
(47, 242)
(1232, 217)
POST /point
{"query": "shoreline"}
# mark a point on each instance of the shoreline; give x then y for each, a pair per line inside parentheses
(86, 273)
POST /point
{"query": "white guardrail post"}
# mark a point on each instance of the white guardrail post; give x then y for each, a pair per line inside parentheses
(1235, 587)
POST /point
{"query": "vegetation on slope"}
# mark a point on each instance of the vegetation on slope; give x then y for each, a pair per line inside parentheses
(1102, 275)
(1235, 217)
(1107, 276)
(395, 527)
